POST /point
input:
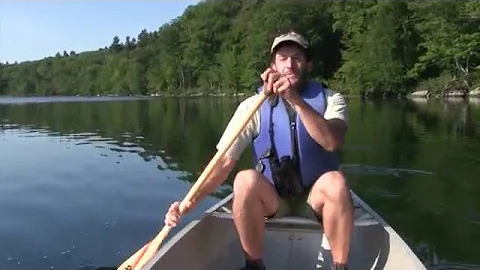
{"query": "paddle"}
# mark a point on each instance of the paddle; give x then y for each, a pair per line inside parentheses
(144, 254)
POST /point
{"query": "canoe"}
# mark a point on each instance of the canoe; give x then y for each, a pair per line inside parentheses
(211, 243)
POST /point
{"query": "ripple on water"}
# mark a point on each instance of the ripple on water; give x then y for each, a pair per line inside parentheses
(445, 265)
(75, 197)
(364, 169)
(430, 258)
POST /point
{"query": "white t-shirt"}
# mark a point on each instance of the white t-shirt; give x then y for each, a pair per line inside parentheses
(336, 108)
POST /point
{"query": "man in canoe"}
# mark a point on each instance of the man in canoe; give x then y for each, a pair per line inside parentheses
(304, 180)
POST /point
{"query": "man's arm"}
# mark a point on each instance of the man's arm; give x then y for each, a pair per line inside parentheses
(225, 165)
(217, 176)
(328, 131)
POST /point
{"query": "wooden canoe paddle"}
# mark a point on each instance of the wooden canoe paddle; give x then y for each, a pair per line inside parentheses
(143, 255)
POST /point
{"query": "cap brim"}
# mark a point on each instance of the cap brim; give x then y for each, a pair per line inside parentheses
(290, 37)
(275, 45)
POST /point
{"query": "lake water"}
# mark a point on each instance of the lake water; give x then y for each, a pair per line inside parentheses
(87, 182)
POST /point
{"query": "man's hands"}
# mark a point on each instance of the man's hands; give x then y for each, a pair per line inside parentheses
(276, 83)
(174, 214)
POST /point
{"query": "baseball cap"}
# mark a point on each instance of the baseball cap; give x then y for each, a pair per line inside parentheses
(290, 36)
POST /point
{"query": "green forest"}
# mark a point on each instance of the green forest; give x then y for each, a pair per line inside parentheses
(372, 48)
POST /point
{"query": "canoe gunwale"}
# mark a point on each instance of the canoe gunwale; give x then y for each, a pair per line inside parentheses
(394, 236)
(185, 230)
(222, 211)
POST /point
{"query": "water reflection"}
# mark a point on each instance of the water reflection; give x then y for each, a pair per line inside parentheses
(157, 126)
(117, 166)
(360, 169)
(58, 159)
(459, 116)
(419, 173)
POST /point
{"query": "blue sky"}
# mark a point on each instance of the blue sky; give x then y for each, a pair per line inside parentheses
(32, 30)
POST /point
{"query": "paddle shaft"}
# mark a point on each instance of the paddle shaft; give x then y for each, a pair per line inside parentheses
(138, 260)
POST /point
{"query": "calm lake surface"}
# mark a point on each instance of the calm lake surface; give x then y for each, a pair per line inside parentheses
(87, 182)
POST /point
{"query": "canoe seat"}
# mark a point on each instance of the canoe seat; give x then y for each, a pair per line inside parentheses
(362, 218)
(284, 222)
(293, 222)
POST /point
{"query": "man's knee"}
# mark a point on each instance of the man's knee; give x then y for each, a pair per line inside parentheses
(337, 188)
(246, 181)
(252, 187)
(331, 186)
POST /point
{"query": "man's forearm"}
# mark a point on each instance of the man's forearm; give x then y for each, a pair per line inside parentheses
(217, 176)
(318, 128)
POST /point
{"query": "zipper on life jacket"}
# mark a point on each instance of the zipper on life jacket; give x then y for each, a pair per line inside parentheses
(293, 136)
(292, 115)
(294, 143)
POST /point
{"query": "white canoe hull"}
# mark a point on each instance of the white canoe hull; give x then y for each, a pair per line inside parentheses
(291, 243)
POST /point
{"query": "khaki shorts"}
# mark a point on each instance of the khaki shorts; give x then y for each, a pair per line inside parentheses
(296, 206)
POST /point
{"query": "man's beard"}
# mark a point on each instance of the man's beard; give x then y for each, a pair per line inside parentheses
(301, 81)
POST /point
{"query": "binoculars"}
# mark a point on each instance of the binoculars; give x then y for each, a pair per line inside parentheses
(286, 176)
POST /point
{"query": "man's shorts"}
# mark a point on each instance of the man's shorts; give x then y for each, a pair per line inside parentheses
(296, 206)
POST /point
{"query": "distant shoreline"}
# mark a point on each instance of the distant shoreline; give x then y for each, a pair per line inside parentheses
(417, 95)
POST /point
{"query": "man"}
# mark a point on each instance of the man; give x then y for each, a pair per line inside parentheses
(304, 180)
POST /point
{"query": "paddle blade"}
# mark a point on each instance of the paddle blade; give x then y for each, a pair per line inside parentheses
(143, 255)
(132, 262)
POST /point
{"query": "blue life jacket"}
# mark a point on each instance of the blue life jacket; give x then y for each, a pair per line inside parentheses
(314, 160)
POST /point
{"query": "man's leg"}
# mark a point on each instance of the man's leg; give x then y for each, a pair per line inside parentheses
(330, 197)
(254, 199)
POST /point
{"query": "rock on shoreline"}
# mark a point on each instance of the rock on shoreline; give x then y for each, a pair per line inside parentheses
(475, 92)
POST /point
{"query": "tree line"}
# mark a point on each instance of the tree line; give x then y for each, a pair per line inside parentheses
(219, 46)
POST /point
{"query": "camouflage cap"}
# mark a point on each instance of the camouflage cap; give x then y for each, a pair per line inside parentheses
(291, 36)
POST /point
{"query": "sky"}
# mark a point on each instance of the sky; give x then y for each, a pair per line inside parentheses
(32, 30)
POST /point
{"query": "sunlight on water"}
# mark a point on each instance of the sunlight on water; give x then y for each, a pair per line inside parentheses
(72, 197)
(398, 172)
(88, 183)
(430, 258)
(29, 100)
